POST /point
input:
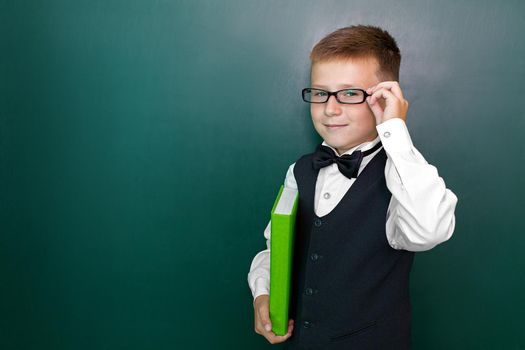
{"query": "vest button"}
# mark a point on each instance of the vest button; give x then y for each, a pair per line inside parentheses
(318, 222)
(308, 291)
(307, 324)
(314, 257)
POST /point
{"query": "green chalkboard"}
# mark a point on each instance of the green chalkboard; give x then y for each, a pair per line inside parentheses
(142, 142)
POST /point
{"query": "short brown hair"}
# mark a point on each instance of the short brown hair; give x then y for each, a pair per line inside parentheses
(361, 42)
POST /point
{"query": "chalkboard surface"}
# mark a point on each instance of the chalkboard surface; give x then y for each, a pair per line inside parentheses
(142, 144)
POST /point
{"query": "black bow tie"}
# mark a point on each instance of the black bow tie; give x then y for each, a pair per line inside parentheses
(348, 164)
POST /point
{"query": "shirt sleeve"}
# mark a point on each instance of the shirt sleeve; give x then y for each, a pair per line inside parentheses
(421, 211)
(259, 275)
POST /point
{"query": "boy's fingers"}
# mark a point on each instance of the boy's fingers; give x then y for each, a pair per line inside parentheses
(373, 104)
(274, 339)
(393, 107)
(392, 85)
(262, 327)
(264, 324)
(376, 109)
(290, 327)
(386, 94)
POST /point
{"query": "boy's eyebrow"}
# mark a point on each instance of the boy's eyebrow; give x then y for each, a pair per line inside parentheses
(342, 86)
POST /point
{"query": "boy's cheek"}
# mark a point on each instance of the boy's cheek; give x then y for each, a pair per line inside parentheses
(318, 126)
(316, 115)
(315, 109)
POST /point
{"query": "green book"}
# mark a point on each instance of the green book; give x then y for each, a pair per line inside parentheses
(281, 253)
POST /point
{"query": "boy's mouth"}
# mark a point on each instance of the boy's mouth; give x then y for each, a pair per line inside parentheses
(335, 126)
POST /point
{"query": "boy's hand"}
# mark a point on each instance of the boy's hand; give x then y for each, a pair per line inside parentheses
(387, 93)
(263, 325)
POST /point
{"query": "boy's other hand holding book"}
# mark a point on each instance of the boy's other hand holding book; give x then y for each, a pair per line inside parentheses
(263, 325)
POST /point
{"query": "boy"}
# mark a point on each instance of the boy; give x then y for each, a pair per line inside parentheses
(367, 201)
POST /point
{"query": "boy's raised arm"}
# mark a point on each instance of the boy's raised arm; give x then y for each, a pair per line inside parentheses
(421, 212)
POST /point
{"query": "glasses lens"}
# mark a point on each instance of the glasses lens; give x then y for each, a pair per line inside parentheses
(351, 96)
(315, 95)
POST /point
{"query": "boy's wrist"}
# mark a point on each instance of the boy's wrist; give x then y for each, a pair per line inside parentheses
(404, 119)
(395, 119)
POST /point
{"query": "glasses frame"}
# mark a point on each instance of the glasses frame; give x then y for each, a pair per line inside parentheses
(334, 93)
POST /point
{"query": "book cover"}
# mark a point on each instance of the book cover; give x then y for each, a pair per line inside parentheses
(281, 257)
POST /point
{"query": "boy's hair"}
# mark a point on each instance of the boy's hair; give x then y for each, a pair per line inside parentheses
(361, 42)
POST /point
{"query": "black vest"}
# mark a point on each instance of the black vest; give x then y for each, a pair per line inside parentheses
(350, 288)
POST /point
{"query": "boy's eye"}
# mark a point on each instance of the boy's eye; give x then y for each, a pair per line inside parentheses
(320, 93)
(349, 93)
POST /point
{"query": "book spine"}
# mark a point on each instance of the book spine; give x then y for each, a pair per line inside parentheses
(281, 260)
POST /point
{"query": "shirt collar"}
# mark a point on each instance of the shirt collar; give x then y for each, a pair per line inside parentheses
(361, 147)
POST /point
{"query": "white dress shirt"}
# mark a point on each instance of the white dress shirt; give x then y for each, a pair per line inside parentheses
(420, 214)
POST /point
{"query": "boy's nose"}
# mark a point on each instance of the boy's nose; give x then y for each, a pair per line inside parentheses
(332, 107)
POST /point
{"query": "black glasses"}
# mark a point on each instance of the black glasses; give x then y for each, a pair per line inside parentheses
(345, 96)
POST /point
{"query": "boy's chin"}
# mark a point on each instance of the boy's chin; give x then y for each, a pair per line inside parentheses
(339, 142)
(340, 147)
(344, 144)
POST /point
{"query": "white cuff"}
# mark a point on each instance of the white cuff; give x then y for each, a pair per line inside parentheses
(261, 288)
(394, 135)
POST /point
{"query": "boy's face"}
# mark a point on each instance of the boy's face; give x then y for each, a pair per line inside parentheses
(344, 126)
